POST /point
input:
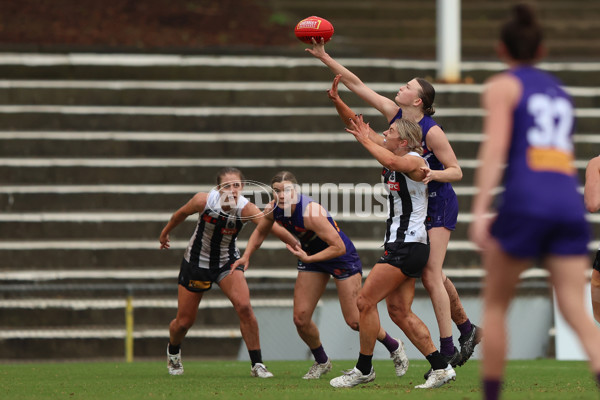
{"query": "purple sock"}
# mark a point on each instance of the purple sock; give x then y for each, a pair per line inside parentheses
(491, 389)
(447, 346)
(390, 343)
(465, 327)
(598, 379)
(319, 354)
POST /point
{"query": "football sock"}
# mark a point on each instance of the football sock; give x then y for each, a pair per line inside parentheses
(465, 327)
(255, 356)
(174, 349)
(447, 346)
(491, 389)
(390, 343)
(319, 354)
(598, 378)
(436, 360)
(364, 363)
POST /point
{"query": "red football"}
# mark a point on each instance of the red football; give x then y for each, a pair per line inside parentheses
(314, 27)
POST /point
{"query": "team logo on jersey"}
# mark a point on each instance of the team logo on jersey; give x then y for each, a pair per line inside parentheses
(230, 229)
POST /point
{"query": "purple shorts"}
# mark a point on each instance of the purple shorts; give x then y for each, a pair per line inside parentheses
(339, 268)
(534, 237)
(442, 212)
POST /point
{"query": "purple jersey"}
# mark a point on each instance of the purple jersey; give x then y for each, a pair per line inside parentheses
(309, 240)
(438, 191)
(540, 179)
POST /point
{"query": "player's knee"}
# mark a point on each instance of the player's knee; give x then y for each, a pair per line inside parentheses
(353, 324)
(301, 319)
(398, 312)
(430, 280)
(364, 304)
(184, 323)
(244, 311)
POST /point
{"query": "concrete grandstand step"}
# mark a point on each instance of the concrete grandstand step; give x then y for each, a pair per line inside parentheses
(243, 69)
(99, 342)
(357, 223)
(147, 198)
(196, 93)
(82, 312)
(554, 29)
(239, 94)
(17, 171)
(71, 254)
(194, 119)
(97, 144)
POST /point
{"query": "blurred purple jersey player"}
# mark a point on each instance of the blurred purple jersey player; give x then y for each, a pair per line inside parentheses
(540, 216)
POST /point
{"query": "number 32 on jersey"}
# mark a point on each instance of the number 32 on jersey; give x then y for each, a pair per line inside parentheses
(550, 147)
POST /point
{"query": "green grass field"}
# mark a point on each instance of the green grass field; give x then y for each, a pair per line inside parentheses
(540, 379)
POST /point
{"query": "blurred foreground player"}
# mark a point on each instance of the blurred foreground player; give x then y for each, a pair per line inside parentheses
(541, 215)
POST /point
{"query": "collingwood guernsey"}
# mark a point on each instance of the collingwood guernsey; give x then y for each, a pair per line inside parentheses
(407, 205)
(213, 243)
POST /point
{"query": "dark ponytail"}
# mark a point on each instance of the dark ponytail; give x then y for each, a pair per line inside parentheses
(522, 34)
(427, 96)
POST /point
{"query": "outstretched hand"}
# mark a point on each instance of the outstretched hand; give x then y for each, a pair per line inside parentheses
(318, 48)
(359, 128)
(333, 92)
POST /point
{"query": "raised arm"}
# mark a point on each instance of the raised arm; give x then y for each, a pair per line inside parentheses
(385, 106)
(411, 165)
(345, 112)
(194, 205)
(591, 193)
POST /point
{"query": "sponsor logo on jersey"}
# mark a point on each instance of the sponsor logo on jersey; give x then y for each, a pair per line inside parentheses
(394, 186)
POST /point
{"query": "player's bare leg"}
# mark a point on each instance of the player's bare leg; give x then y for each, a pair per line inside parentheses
(596, 295)
(187, 309)
(236, 289)
(567, 275)
(502, 276)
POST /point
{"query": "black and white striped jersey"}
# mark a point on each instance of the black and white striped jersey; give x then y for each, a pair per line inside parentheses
(407, 207)
(213, 243)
